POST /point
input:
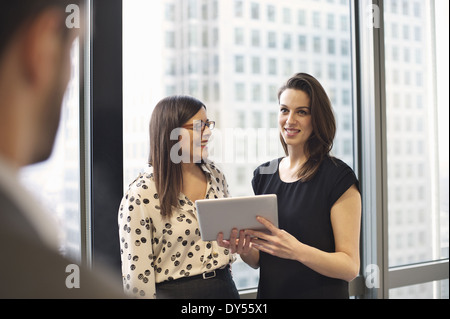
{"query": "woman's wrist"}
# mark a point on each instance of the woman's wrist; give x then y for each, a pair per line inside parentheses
(251, 257)
(300, 253)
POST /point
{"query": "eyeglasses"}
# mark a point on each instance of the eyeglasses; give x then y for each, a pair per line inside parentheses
(200, 125)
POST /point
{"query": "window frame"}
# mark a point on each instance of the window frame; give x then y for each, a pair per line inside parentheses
(101, 136)
(371, 101)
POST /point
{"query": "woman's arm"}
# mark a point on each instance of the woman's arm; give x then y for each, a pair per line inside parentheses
(341, 264)
(251, 258)
(135, 233)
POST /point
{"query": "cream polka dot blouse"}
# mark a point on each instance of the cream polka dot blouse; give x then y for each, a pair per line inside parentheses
(155, 249)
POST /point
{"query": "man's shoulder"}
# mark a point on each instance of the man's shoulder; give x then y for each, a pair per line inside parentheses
(30, 269)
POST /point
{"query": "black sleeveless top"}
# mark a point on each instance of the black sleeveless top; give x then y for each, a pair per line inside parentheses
(304, 212)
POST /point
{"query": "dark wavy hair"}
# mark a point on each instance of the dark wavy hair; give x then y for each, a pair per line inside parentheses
(170, 113)
(14, 14)
(320, 142)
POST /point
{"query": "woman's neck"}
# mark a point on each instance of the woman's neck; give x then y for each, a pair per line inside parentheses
(189, 168)
(194, 181)
(297, 157)
(191, 172)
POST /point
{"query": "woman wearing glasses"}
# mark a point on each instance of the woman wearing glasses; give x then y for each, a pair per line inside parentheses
(315, 251)
(163, 255)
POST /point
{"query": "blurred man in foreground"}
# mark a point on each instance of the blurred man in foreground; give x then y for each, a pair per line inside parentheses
(35, 48)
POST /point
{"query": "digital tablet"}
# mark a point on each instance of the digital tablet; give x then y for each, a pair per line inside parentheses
(224, 214)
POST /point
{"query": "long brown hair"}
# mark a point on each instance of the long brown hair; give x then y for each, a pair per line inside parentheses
(320, 143)
(170, 113)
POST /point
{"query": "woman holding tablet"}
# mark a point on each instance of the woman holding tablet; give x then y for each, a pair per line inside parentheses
(315, 251)
(163, 255)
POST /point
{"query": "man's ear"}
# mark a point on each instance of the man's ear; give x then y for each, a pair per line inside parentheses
(42, 47)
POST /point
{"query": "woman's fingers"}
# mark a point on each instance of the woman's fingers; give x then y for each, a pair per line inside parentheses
(233, 237)
(219, 238)
(235, 244)
(220, 241)
(264, 235)
(263, 245)
(247, 245)
(271, 227)
(241, 242)
(257, 234)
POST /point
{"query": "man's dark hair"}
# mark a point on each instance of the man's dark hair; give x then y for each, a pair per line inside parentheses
(16, 13)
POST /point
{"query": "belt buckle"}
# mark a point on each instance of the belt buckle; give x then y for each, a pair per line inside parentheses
(209, 275)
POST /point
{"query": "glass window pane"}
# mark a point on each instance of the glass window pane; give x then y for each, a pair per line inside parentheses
(429, 290)
(56, 182)
(259, 45)
(417, 130)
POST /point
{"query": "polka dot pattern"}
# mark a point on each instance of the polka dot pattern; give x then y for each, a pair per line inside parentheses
(155, 249)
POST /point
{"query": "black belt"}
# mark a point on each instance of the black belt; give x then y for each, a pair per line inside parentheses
(212, 274)
(221, 285)
(208, 274)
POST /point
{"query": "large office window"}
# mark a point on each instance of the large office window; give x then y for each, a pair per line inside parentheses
(248, 50)
(417, 137)
(403, 80)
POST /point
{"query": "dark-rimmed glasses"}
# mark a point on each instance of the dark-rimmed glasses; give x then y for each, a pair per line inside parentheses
(199, 125)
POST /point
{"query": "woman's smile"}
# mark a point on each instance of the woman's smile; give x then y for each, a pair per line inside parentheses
(290, 132)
